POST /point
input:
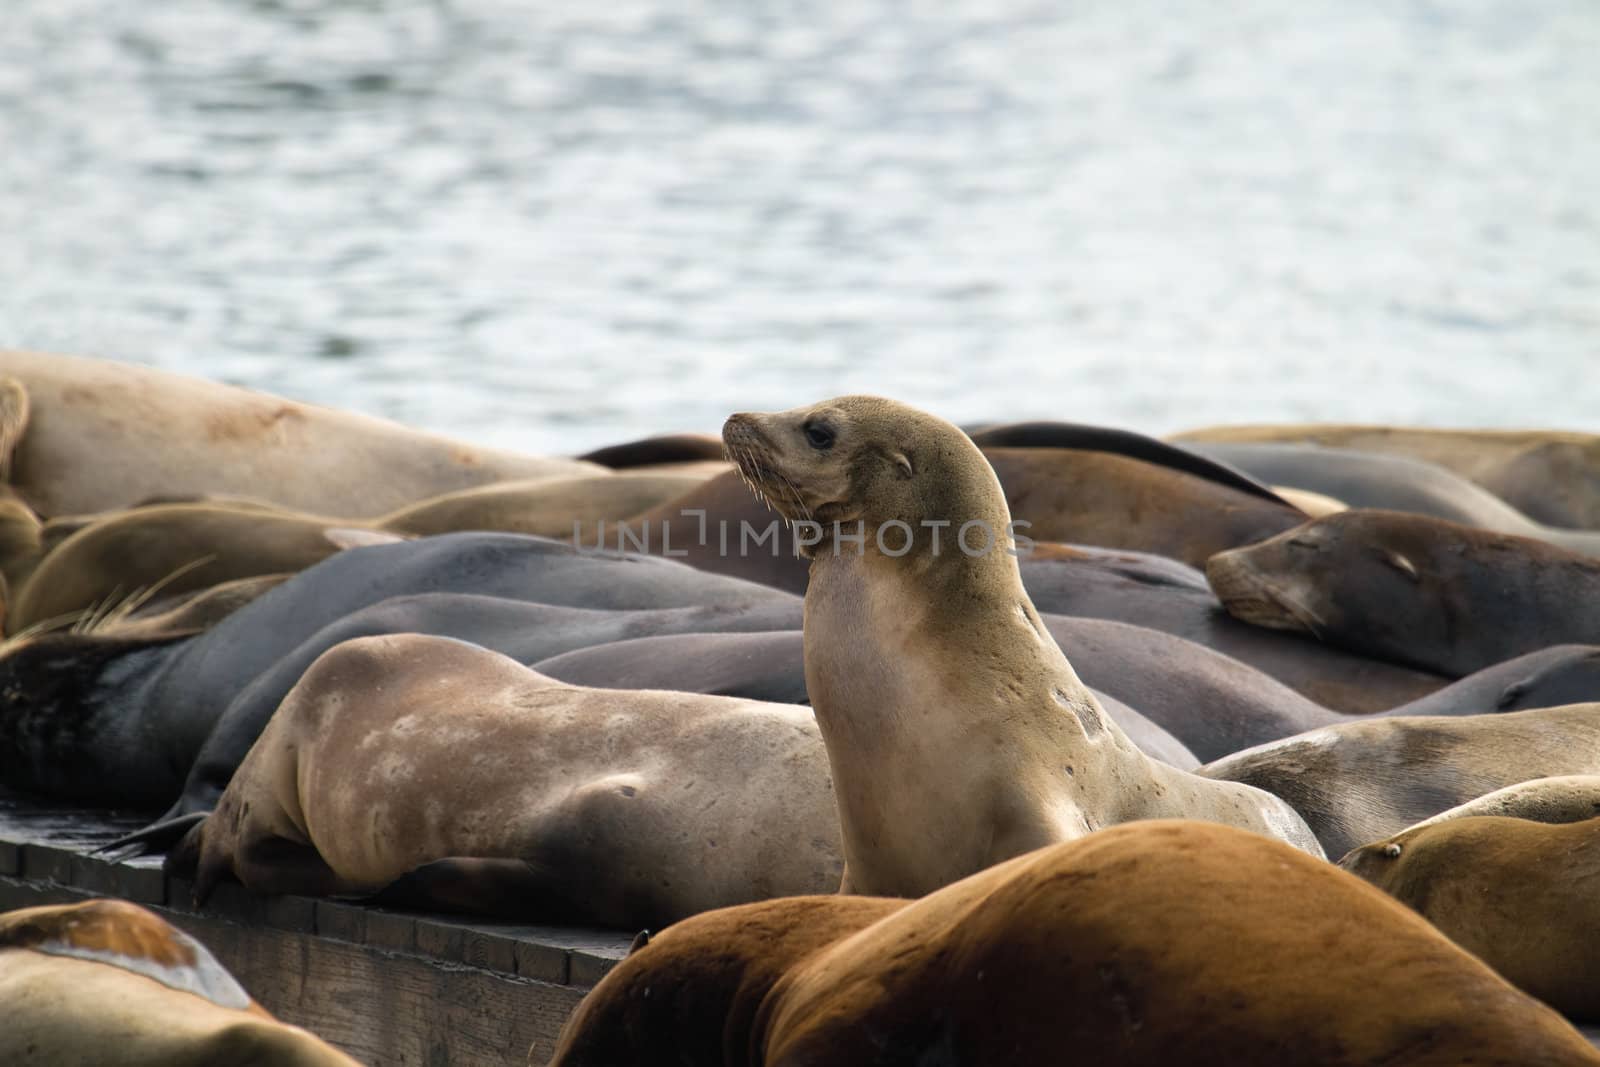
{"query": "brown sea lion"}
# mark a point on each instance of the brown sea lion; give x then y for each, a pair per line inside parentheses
(169, 549)
(1517, 894)
(1364, 780)
(958, 733)
(1413, 589)
(102, 435)
(545, 507)
(108, 983)
(1553, 476)
(517, 794)
(665, 449)
(1098, 498)
(1143, 945)
(183, 547)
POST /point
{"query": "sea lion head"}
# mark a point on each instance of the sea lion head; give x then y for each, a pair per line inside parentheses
(868, 460)
(1377, 861)
(1379, 581)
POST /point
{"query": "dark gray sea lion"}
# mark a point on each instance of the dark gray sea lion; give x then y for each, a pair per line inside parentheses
(1393, 483)
(769, 666)
(1413, 589)
(116, 720)
(1161, 599)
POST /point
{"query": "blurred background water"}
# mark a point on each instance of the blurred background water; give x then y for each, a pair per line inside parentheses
(549, 226)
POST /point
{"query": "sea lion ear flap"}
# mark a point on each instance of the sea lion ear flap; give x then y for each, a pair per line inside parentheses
(902, 463)
(1392, 850)
(640, 940)
(1401, 564)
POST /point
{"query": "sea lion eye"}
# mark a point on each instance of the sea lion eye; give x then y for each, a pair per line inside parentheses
(819, 435)
(1391, 850)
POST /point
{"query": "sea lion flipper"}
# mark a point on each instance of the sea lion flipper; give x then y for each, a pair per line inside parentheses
(159, 836)
(512, 887)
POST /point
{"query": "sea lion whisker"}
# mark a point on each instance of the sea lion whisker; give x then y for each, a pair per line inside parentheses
(117, 611)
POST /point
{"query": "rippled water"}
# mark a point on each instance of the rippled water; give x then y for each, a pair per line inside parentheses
(553, 225)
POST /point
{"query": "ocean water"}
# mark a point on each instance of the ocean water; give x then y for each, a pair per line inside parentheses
(550, 226)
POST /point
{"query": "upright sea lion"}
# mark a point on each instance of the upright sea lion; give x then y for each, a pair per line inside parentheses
(1517, 894)
(1364, 780)
(103, 435)
(1394, 483)
(1143, 945)
(108, 983)
(1552, 476)
(1413, 589)
(108, 719)
(625, 808)
(958, 733)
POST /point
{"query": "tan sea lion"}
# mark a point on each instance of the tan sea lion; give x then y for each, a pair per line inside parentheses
(102, 435)
(1414, 589)
(1563, 798)
(108, 983)
(1553, 476)
(958, 733)
(519, 794)
(1361, 781)
(1517, 894)
(1143, 945)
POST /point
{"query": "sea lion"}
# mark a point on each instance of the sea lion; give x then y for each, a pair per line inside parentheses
(1552, 476)
(624, 808)
(1129, 590)
(1364, 780)
(108, 983)
(1098, 498)
(103, 434)
(1151, 450)
(1394, 483)
(1113, 946)
(768, 665)
(662, 450)
(118, 720)
(958, 733)
(1517, 894)
(545, 507)
(1563, 798)
(176, 548)
(1412, 589)
(183, 547)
